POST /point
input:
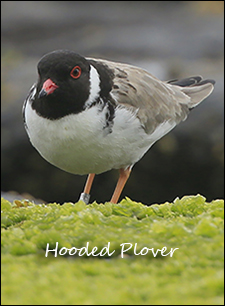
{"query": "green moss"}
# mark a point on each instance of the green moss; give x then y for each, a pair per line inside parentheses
(193, 275)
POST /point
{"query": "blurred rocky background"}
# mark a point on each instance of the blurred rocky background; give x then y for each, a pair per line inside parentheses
(170, 39)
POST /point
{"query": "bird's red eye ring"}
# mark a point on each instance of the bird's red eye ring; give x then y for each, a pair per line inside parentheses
(75, 72)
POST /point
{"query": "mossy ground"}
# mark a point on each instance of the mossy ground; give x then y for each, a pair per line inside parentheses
(193, 275)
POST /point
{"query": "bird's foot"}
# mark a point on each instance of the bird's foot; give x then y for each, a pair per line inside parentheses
(85, 197)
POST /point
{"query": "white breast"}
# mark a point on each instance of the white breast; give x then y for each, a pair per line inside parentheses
(79, 143)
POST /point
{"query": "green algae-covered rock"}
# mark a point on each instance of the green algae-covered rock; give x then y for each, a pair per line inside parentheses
(125, 253)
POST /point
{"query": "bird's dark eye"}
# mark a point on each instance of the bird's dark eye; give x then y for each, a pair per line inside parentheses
(75, 72)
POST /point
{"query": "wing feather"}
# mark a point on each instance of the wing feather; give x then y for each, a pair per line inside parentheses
(152, 100)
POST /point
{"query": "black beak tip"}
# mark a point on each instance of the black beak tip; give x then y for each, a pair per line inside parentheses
(42, 93)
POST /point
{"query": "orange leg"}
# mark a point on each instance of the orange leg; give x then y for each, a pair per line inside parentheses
(85, 196)
(89, 182)
(124, 175)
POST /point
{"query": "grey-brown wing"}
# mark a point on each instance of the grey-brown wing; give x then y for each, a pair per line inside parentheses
(153, 101)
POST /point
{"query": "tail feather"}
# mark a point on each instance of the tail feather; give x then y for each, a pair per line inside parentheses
(186, 82)
(196, 88)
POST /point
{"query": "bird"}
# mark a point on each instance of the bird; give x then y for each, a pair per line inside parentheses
(87, 115)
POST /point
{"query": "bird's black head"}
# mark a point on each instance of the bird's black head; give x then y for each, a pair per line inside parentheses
(63, 85)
